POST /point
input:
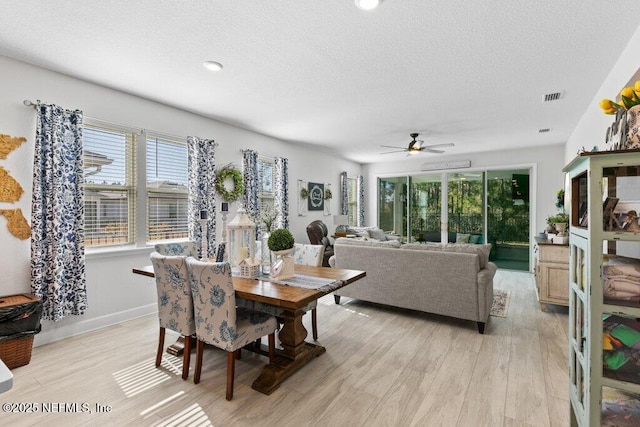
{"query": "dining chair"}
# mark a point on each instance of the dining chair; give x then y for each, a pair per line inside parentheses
(187, 248)
(219, 322)
(310, 255)
(175, 305)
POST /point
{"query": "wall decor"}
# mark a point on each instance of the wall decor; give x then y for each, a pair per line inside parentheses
(10, 189)
(315, 201)
(9, 143)
(229, 172)
(303, 195)
(328, 195)
(16, 223)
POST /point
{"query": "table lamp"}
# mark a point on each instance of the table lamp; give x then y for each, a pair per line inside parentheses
(342, 222)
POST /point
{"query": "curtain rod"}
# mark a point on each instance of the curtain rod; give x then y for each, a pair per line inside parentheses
(29, 103)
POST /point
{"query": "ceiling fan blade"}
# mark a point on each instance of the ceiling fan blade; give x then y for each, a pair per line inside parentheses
(449, 144)
(397, 151)
(431, 150)
(392, 146)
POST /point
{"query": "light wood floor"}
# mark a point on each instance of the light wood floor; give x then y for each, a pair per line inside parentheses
(383, 367)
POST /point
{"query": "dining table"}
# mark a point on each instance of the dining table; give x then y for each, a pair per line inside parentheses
(293, 299)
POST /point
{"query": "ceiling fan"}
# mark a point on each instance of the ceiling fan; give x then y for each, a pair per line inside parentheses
(416, 146)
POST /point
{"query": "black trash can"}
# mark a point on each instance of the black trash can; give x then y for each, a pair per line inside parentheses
(19, 322)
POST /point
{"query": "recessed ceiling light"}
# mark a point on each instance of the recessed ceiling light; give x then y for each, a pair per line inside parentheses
(212, 65)
(368, 4)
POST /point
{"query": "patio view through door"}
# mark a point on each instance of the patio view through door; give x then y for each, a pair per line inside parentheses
(475, 206)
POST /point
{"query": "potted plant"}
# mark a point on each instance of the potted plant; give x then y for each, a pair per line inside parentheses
(560, 222)
(281, 241)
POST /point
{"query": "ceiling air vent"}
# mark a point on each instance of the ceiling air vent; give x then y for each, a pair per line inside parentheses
(551, 97)
(545, 130)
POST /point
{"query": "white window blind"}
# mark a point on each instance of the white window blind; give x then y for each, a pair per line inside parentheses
(266, 183)
(352, 200)
(109, 173)
(167, 189)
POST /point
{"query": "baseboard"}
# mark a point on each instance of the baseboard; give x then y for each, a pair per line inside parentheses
(66, 328)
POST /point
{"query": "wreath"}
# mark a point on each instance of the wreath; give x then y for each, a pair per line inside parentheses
(229, 171)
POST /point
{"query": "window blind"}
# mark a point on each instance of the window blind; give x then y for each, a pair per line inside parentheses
(109, 175)
(167, 189)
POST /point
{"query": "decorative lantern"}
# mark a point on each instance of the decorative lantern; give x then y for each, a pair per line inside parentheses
(242, 242)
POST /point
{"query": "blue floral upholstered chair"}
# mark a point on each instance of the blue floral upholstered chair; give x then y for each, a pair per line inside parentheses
(310, 255)
(177, 249)
(219, 322)
(175, 305)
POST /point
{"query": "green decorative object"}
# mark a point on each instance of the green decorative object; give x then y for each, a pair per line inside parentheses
(280, 239)
(304, 193)
(235, 175)
(328, 194)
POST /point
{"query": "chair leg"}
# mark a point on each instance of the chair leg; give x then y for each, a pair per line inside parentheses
(231, 367)
(186, 357)
(160, 347)
(199, 350)
(272, 346)
(314, 324)
(336, 298)
(480, 327)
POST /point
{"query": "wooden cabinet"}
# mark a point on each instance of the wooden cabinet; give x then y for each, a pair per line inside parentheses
(552, 275)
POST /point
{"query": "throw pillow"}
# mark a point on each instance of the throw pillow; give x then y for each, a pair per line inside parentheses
(376, 233)
(475, 238)
(462, 238)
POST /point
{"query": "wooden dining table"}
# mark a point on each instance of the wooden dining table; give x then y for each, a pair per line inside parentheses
(295, 352)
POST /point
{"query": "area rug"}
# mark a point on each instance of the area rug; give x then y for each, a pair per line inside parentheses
(500, 304)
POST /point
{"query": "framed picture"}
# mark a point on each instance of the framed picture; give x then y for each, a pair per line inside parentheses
(316, 196)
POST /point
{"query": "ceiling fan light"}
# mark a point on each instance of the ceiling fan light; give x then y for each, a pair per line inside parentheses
(368, 4)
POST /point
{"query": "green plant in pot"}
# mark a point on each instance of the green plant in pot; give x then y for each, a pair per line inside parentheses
(559, 222)
(280, 240)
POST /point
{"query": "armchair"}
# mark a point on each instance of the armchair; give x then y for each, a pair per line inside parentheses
(317, 232)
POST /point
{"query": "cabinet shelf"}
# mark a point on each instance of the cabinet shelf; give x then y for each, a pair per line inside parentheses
(604, 283)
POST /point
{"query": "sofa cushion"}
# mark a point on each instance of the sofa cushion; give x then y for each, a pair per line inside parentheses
(364, 241)
(376, 233)
(475, 238)
(481, 250)
(462, 237)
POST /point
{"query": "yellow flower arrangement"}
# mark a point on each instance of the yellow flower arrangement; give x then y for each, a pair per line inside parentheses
(630, 96)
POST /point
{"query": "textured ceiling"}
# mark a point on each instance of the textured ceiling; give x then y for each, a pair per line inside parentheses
(328, 74)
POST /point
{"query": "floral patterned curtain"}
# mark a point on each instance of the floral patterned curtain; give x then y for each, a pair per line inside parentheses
(344, 194)
(281, 191)
(360, 186)
(251, 180)
(57, 214)
(202, 193)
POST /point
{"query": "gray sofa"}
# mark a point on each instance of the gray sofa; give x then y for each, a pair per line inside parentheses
(453, 280)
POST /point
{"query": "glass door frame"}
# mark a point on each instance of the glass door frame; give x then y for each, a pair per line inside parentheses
(531, 167)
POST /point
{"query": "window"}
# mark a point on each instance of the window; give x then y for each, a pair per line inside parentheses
(109, 173)
(265, 191)
(112, 191)
(167, 189)
(352, 200)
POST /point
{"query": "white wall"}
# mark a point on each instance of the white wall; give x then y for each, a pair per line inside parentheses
(547, 162)
(114, 293)
(594, 123)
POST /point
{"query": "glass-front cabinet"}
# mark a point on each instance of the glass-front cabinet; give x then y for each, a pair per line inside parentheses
(604, 299)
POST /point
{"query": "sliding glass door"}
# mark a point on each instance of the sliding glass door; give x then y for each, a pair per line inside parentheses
(392, 205)
(508, 217)
(489, 206)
